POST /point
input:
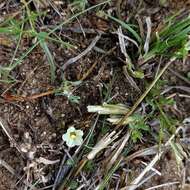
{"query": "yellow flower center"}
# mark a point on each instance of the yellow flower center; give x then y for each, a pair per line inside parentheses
(73, 135)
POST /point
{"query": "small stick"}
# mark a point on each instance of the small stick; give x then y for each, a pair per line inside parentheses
(7, 166)
(22, 98)
(7, 131)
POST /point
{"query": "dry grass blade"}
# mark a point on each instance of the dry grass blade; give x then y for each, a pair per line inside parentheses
(130, 79)
(123, 44)
(88, 49)
(149, 29)
(135, 184)
(7, 166)
(183, 88)
(103, 143)
(96, 62)
(153, 169)
(7, 131)
(118, 151)
(146, 179)
(121, 35)
(163, 185)
(145, 152)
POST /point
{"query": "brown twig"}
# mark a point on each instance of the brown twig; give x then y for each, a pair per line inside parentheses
(9, 97)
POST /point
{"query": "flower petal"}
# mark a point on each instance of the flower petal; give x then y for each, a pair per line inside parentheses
(79, 133)
(71, 129)
(70, 143)
(78, 141)
(65, 137)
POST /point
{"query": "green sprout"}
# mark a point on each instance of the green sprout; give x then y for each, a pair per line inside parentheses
(66, 89)
(73, 137)
(79, 4)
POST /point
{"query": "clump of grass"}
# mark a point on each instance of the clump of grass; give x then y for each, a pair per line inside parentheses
(171, 41)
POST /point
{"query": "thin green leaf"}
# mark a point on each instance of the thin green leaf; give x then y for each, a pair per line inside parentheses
(41, 37)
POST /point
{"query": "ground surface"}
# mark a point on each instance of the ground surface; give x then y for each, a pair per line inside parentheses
(36, 125)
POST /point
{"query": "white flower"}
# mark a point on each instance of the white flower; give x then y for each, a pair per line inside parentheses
(73, 137)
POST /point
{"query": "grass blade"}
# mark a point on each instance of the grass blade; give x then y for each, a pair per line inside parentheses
(43, 44)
